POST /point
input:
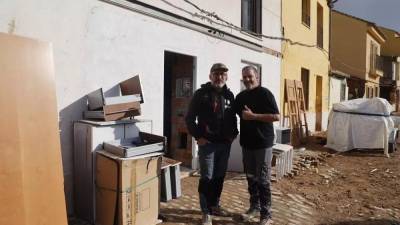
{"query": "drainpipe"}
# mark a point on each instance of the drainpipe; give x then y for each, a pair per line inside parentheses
(330, 5)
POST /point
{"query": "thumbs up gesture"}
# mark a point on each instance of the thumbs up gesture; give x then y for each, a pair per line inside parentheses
(247, 114)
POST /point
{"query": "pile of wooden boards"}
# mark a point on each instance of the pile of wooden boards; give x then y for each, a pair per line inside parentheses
(294, 109)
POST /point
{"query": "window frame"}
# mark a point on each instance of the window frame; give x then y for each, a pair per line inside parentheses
(306, 13)
(306, 87)
(256, 18)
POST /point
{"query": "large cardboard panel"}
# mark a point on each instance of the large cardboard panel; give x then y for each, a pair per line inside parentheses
(135, 181)
(31, 190)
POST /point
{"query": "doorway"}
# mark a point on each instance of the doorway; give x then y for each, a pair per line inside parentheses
(178, 90)
(318, 104)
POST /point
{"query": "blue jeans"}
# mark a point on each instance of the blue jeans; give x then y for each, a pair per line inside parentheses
(213, 160)
(257, 166)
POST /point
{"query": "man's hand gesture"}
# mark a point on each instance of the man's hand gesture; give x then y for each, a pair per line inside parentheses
(247, 114)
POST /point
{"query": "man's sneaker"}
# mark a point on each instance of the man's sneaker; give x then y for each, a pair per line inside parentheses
(250, 214)
(219, 211)
(266, 221)
(206, 220)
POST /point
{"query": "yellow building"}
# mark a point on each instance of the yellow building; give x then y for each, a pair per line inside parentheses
(390, 82)
(307, 22)
(355, 54)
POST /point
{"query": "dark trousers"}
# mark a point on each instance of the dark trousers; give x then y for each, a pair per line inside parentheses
(213, 159)
(257, 166)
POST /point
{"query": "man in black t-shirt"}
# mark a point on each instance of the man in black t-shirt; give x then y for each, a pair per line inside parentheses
(257, 109)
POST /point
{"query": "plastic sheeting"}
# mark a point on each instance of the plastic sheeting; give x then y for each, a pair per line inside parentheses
(360, 124)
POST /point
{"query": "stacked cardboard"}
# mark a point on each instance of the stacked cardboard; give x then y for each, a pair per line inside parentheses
(117, 107)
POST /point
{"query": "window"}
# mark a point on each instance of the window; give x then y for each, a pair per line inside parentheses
(372, 57)
(320, 26)
(305, 79)
(251, 16)
(305, 12)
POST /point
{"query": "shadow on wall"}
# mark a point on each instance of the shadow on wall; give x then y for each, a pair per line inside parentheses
(68, 115)
(367, 222)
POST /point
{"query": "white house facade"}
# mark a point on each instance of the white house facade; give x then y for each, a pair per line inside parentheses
(171, 44)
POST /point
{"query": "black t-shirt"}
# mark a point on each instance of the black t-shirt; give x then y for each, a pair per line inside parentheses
(256, 134)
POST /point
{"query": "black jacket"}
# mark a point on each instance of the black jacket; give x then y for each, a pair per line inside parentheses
(216, 120)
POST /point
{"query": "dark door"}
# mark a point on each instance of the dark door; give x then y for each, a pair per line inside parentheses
(178, 90)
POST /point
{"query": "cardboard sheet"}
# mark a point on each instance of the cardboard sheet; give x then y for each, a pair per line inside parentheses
(31, 178)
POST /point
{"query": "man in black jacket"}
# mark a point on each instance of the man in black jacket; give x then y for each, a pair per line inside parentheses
(214, 132)
(257, 109)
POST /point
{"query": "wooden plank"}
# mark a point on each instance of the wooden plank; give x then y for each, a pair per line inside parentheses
(292, 111)
(31, 190)
(302, 108)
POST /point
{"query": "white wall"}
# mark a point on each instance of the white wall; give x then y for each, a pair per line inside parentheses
(97, 44)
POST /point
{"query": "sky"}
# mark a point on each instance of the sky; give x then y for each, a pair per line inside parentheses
(385, 13)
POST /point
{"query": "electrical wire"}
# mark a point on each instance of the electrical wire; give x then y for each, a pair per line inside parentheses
(237, 28)
(288, 40)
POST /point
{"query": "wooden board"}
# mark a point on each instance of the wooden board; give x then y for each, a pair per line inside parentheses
(31, 190)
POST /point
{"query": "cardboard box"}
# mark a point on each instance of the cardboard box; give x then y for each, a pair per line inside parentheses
(144, 143)
(127, 189)
(117, 107)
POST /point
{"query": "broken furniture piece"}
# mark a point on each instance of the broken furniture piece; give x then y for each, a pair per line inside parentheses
(283, 155)
(283, 135)
(170, 179)
(118, 107)
(89, 137)
(142, 144)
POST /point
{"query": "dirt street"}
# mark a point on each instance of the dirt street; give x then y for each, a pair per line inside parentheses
(353, 188)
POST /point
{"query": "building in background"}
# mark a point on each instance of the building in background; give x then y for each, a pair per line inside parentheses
(390, 82)
(307, 22)
(171, 44)
(355, 55)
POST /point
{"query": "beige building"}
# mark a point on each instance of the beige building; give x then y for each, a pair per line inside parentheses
(355, 54)
(390, 82)
(307, 22)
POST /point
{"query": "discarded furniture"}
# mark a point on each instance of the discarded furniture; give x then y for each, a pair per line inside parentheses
(31, 175)
(283, 155)
(170, 179)
(360, 124)
(282, 135)
(117, 107)
(89, 137)
(142, 144)
(127, 189)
